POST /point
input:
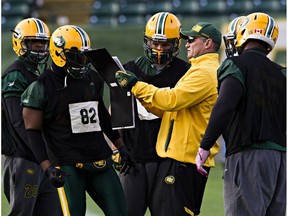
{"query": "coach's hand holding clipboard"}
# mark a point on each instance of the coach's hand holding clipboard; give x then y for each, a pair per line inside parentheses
(126, 79)
(122, 101)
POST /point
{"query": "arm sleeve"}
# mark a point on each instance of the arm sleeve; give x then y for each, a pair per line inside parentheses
(37, 144)
(105, 123)
(14, 111)
(230, 93)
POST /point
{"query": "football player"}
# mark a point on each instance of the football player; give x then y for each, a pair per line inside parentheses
(65, 105)
(26, 186)
(161, 67)
(184, 110)
(250, 112)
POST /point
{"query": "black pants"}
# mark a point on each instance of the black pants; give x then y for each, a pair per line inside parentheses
(179, 189)
(28, 190)
(168, 188)
(139, 189)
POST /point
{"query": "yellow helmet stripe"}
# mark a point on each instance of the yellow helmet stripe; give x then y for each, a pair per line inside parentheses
(234, 25)
(270, 27)
(160, 26)
(41, 30)
(84, 38)
(39, 25)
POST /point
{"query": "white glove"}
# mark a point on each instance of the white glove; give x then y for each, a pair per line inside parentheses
(201, 158)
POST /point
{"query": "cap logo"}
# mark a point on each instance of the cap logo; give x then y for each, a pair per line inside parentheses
(197, 28)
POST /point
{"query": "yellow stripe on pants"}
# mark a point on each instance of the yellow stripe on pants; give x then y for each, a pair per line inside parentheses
(63, 201)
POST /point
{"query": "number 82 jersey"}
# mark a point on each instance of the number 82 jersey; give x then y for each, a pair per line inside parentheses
(75, 116)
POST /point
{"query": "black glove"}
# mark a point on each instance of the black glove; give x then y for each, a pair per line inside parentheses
(126, 79)
(129, 163)
(56, 176)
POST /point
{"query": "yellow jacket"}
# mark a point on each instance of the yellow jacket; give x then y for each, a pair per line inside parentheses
(185, 109)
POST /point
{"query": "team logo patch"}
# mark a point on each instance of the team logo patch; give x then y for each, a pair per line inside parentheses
(244, 22)
(170, 179)
(59, 41)
(79, 165)
(30, 171)
(100, 164)
(124, 82)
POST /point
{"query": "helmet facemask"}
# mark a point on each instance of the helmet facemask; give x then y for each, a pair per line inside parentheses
(161, 56)
(77, 64)
(230, 36)
(33, 53)
(229, 41)
(162, 27)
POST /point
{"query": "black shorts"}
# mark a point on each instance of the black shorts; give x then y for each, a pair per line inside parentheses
(179, 189)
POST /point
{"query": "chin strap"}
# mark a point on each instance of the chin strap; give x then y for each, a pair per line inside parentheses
(65, 81)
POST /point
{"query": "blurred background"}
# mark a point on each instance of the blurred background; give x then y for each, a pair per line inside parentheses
(118, 25)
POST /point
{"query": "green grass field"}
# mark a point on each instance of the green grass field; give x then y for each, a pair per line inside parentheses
(212, 203)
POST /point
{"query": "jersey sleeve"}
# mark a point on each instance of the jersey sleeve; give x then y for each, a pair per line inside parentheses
(228, 68)
(13, 84)
(34, 97)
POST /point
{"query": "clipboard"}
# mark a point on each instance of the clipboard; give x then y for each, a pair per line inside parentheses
(122, 101)
(104, 64)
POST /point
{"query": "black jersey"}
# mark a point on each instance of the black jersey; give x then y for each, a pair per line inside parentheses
(15, 80)
(261, 113)
(75, 116)
(141, 140)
